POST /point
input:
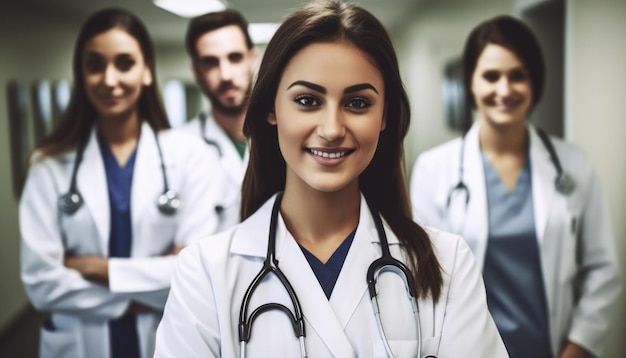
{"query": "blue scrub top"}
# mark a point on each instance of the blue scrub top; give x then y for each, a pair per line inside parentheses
(513, 277)
(328, 273)
(124, 339)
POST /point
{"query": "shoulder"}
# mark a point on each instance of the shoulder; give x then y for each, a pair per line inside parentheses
(451, 250)
(184, 146)
(38, 161)
(433, 157)
(570, 153)
(210, 250)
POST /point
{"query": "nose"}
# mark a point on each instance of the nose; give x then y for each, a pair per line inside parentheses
(503, 87)
(110, 76)
(226, 71)
(332, 127)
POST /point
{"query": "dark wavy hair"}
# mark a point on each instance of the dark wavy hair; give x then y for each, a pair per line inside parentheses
(76, 122)
(383, 182)
(202, 24)
(512, 34)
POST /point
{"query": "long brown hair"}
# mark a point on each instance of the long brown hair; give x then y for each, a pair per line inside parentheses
(383, 182)
(76, 122)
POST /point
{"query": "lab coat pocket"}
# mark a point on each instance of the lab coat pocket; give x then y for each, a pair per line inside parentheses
(399, 348)
(57, 342)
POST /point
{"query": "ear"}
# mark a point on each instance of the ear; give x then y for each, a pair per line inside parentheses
(383, 123)
(271, 118)
(147, 77)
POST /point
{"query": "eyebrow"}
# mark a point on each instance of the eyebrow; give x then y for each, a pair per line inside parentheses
(322, 90)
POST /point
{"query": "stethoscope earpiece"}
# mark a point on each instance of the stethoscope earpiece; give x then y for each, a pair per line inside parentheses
(168, 202)
(70, 202)
(564, 183)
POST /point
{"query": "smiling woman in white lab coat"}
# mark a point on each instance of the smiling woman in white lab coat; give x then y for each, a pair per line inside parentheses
(327, 116)
(109, 200)
(529, 206)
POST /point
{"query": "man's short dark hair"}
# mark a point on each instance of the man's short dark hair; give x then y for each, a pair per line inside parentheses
(202, 24)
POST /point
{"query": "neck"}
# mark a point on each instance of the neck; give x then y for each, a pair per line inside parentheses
(507, 139)
(316, 219)
(121, 134)
(232, 124)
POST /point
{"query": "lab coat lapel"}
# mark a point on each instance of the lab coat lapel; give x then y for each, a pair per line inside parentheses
(232, 163)
(92, 184)
(543, 174)
(147, 177)
(319, 314)
(476, 216)
(352, 282)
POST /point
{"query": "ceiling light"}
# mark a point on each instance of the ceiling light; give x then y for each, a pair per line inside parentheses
(190, 8)
(261, 33)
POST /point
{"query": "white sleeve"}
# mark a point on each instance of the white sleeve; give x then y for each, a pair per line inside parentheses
(598, 278)
(199, 191)
(189, 327)
(468, 329)
(49, 284)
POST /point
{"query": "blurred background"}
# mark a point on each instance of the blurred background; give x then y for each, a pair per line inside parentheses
(583, 102)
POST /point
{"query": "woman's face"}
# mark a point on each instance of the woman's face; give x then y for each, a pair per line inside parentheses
(329, 112)
(114, 72)
(501, 87)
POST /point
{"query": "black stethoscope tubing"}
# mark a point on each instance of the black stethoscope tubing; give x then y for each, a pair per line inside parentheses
(563, 182)
(270, 265)
(167, 203)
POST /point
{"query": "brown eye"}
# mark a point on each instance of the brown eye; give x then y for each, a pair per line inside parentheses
(124, 62)
(94, 63)
(235, 57)
(306, 101)
(358, 103)
(518, 76)
(491, 76)
(208, 62)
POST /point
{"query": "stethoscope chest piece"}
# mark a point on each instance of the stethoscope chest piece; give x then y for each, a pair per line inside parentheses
(564, 183)
(168, 202)
(70, 202)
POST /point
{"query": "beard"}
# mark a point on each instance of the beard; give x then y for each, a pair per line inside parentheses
(225, 108)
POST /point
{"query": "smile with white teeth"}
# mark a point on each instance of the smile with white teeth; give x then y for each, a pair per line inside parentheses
(331, 155)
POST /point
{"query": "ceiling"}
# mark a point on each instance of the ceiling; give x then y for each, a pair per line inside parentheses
(166, 27)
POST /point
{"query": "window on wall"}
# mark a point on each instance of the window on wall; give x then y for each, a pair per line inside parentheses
(18, 131)
(182, 101)
(457, 109)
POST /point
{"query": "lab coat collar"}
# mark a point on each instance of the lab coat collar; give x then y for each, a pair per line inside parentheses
(543, 175)
(252, 235)
(327, 318)
(92, 184)
(234, 165)
(145, 186)
(474, 177)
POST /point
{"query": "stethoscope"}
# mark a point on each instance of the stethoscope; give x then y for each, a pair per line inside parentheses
(168, 202)
(563, 183)
(270, 265)
(203, 119)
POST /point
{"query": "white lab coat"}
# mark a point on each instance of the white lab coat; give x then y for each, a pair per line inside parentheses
(202, 311)
(80, 308)
(231, 163)
(573, 231)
